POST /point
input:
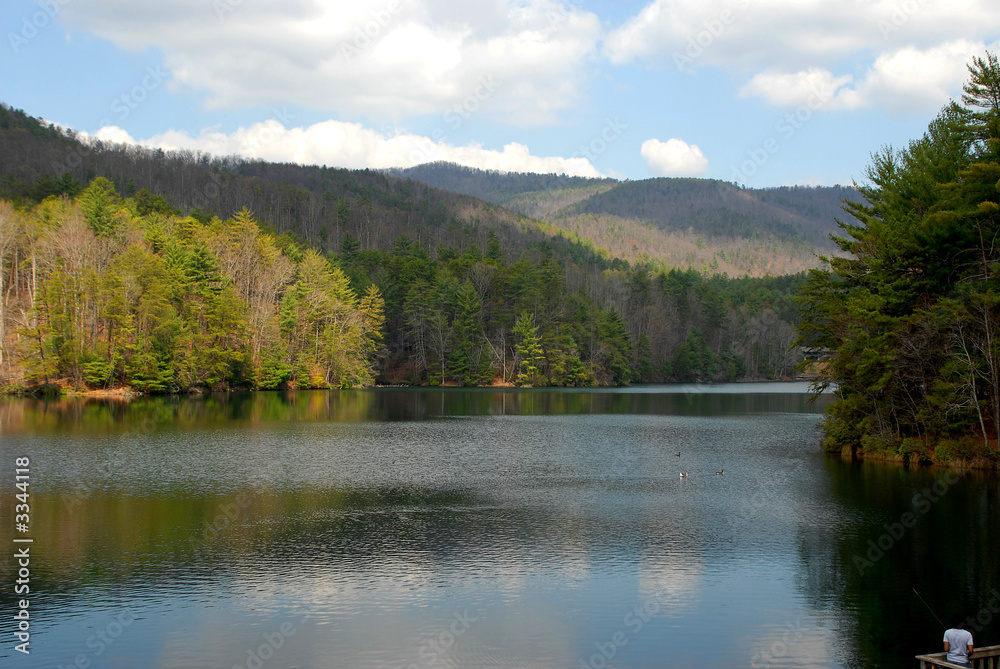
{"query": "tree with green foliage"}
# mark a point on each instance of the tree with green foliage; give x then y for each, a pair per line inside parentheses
(349, 247)
(908, 318)
(371, 307)
(644, 370)
(99, 202)
(617, 349)
(469, 366)
(494, 253)
(529, 351)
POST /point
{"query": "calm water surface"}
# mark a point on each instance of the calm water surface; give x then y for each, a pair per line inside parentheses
(415, 529)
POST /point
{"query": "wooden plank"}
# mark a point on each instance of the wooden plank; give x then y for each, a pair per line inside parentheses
(938, 660)
(984, 658)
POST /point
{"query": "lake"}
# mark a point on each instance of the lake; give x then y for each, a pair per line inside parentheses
(424, 528)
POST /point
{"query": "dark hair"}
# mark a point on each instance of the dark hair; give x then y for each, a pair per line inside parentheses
(958, 622)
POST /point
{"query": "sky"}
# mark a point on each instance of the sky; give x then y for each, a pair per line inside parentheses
(756, 92)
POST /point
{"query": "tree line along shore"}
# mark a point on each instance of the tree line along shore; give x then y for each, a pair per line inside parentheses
(908, 317)
(104, 292)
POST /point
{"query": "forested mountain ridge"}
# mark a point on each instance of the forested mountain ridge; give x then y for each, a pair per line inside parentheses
(492, 185)
(720, 209)
(708, 206)
(710, 225)
(316, 203)
(440, 288)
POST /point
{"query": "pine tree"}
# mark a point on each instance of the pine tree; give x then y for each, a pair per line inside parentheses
(529, 351)
(372, 310)
(644, 368)
(99, 203)
(467, 359)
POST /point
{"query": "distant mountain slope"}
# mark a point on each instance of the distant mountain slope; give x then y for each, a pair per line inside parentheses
(710, 225)
(547, 204)
(704, 206)
(720, 209)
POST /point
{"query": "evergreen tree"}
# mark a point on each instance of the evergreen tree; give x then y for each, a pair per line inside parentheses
(372, 310)
(494, 253)
(99, 202)
(466, 362)
(529, 351)
(349, 247)
(907, 318)
(644, 368)
(617, 347)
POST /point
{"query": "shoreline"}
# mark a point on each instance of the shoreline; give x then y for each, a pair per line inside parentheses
(982, 463)
(65, 389)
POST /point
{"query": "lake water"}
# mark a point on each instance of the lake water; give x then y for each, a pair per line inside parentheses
(416, 529)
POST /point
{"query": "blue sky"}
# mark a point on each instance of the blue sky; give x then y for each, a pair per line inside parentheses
(761, 92)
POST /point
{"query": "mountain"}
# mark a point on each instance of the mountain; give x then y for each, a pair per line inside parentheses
(710, 225)
(444, 287)
(319, 205)
(492, 185)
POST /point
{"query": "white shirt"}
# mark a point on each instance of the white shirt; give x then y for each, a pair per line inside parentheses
(958, 645)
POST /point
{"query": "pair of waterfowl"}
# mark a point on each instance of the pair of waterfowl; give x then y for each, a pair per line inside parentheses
(685, 474)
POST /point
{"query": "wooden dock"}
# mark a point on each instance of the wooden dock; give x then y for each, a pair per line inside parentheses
(987, 657)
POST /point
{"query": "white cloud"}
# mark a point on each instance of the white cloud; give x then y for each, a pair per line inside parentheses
(112, 133)
(905, 80)
(909, 55)
(815, 88)
(384, 58)
(673, 158)
(351, 145)
(736, 33)
(914, 79)
(753, 35)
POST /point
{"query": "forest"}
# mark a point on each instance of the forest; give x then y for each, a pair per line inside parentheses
(109, 292)
(102, 291)
(907, 321)
(165, 272)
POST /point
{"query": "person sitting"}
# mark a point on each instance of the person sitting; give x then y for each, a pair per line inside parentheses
(958, 644)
